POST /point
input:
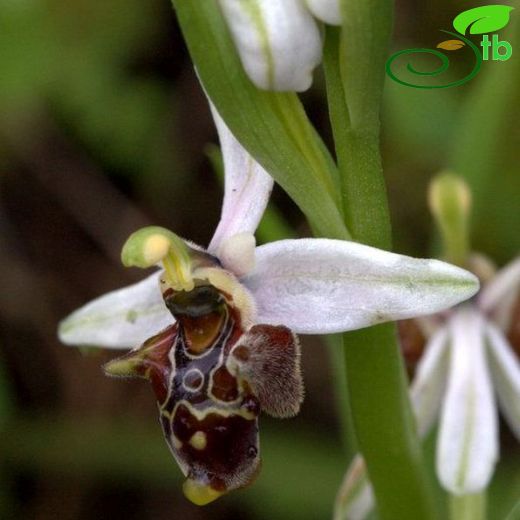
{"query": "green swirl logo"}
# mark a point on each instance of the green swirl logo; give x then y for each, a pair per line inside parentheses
(479, 20)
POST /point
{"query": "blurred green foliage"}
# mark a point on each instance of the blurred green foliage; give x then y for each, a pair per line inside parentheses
(470, 129)
(90, 63)
(290, 486)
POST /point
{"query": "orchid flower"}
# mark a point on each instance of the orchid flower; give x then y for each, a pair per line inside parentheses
(217, 326)
(466, 357)
(279, 43)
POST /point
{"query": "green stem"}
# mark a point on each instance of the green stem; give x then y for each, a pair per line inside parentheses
(384, 425)
(354, 68)
(342, 401)
(362, 51)
(468, 507)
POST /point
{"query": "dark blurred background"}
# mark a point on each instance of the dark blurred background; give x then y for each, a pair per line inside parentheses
(104, 129)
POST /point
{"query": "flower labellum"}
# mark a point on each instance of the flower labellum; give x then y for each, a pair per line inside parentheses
(210, 373)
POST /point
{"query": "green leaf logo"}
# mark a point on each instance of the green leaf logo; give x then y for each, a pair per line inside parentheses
(481, 20)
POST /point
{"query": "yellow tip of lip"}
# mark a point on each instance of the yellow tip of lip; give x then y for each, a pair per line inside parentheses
(200, 494)
(122, 367)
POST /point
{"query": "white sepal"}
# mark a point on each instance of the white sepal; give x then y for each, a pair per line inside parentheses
(505, 369)
(328, 11)
(246, 191)
(427, 388)
(318, 286)
(467, 444)
(120, 319)
(498, 297)
(279, 43)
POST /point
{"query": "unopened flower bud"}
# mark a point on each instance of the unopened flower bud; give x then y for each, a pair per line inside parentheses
(279, 43)
(449, 196)
(449, 199)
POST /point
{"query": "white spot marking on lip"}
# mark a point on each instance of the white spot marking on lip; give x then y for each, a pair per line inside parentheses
(199, 440)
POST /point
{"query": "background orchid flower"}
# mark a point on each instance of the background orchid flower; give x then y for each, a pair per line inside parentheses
(279, 42)
(466, 363)
(466, 366)
(466, 358)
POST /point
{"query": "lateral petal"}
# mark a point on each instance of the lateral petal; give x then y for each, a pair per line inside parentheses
(279, 43)
(119, 319)
(427, 388)
(505, 369)
(318, 285)
(467, 445)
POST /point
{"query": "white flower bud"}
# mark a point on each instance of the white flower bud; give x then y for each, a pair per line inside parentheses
(279, 43)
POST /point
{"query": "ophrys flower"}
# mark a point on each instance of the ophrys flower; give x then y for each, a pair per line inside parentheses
(467, 360)
(223, 321)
